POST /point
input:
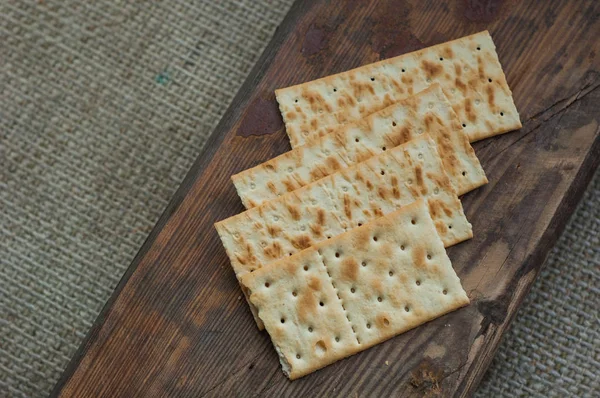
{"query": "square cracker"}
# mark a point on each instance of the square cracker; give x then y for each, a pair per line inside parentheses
(468, 70)
(356, 290)
(426, 112)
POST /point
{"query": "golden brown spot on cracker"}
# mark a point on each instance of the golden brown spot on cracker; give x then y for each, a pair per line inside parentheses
(434, 209)
(347, 207)
(428, 121)
(314, 124)
(290, 115)
(294, 212)
(447, 52)
(418, 256)
(317, 230)
(273, 230)
(332, 163)
(349, 269)
(321, 217)
(314, 283)
(446, 209)
(289, 185)
(274, 251)
(271, 187)
(441, 227)
(269, 167)
(395, 189)
(316, 174)
(490, 94)
(457, 70)
(461, 86)
(420, 182)
(369, 185)
(469, 110)
(306, 305)
(382, 192)
(431, 69)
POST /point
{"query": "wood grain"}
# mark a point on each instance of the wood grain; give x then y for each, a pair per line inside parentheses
(177, 324)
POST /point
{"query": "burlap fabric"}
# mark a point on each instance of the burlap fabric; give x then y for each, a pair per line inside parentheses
(104, 106)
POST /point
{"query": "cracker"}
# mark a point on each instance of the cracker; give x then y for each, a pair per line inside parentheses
(426, 112)
(356, 290)
(468, 70)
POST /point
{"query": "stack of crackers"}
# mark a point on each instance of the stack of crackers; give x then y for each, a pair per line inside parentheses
(343, 243)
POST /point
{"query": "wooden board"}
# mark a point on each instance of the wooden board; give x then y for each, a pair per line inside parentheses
(177, 324)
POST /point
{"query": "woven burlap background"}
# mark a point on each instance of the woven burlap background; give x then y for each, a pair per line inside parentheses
(104, 106)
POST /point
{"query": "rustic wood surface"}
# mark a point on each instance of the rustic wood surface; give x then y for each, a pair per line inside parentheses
(177, 324)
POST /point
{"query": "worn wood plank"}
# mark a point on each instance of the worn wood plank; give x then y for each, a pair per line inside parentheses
(177, 324)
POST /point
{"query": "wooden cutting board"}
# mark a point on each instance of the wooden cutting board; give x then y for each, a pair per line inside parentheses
(177, 324)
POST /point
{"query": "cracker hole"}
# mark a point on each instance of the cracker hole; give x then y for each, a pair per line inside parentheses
(445, 291)
(352, 290)
(364, 263)
(441, 58)
(368, 326)
(402, 247)
(391, 273)
(267, 284)
(337, 339)
(413, 221)
(310, 329)
(429, 257)
(386, 322)
(450, 226)
(337, 254)
(294, 294)
(296, 100)
(372, 79)
(383, 148)
(321, 303)
(379, 299)
(418, 282)
(394, 124)
(478, 48)
(490, 80)
(282, 320)
(464, 173)
(356, 140)
(289, 254)
(403, 70)
(328, 236)
(375, 238)
(501, 113)
(359, 224)
(306, 268)
(334, 89)
(464, 125)
(407, 309)
(298, 356)
(382, 172)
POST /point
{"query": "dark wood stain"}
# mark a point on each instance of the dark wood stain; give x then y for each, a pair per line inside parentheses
(261, 117)
(315, 40)
(178, 324)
